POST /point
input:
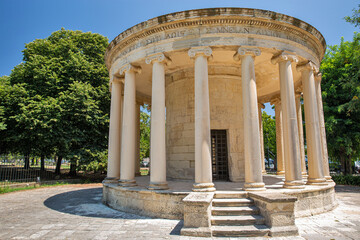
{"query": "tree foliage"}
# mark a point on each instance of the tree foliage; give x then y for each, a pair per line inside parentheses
(144, 133)
(269, 126)
(57, 100)
(341, 91)
(355, 18)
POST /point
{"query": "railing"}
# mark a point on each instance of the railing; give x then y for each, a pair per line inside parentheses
(14, 170)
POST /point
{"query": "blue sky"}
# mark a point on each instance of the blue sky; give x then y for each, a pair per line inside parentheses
(22, 21)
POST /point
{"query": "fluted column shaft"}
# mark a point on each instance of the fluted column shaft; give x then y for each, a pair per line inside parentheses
(128, 136)
(252, 145)
(113, 168)
(301, 134)
(313, 137)
(293, 177)
(137, 141)
(203, 170)
(157, 137)
(261, 129)
(279, 139)
(322, 127)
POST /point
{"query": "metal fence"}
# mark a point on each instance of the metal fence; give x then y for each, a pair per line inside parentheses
(13, 170)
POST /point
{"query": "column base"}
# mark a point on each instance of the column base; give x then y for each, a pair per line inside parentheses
(110, 180)
(203, 187)
(127, 183)
(280, 172)
(328, 179)
(254, 186)
(263, 171)
(158, 186)
(316, 181)
(304, 173)
(295, 184)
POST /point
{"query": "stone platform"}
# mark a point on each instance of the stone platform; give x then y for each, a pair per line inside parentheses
(277, 207)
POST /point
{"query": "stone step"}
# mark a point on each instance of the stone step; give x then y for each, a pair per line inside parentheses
(232, 202)
(237, 220)
(230, 194)
(232, 211)
(240, 231)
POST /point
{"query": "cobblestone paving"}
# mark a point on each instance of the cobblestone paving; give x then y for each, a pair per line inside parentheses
(76, 212)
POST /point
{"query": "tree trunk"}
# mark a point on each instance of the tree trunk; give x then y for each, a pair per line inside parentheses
(42, 163)
(345, 161)
(27, 161)
(58, 165)
(342, 163)
(72, 168)
(348, 165)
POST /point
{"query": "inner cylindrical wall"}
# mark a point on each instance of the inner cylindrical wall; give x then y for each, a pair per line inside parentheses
(225, 114)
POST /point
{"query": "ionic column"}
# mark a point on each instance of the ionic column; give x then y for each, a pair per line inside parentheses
(313, 137)
(203, 171)
(157, 136)
(113, 168)
(128, 136)
(137, 140)
(322, 127)
(293, 177)
(279, 138)
(261, 106)
(253, 169)
(301, 133)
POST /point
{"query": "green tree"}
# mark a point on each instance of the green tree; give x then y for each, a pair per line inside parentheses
(144, 133)
(11, 97)
(4, 84)
(355, 18)
(341, 91)
(59, 98)
(269, 127)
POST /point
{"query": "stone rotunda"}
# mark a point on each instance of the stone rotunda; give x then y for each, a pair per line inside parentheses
(206, 75)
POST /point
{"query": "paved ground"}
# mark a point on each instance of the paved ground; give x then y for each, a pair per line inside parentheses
(76, 212)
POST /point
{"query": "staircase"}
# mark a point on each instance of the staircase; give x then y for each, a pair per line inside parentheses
(235, 215)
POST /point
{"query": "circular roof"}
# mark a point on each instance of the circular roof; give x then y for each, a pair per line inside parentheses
(244, 16)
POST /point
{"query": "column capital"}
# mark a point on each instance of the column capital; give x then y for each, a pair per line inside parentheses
(158, 57)
(246, 50)
(298, 91)
(115, 79)
(284, 56)
(275, 101)
(129, 67)
(298, 94)
(309, 65)
(318, 76)
(261, 105)
(202, 50)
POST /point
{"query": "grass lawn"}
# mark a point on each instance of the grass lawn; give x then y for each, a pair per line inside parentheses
(8, 189)
(144, 171)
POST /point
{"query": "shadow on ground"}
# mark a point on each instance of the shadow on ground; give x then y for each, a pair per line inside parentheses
(347, 188)
(86, 203)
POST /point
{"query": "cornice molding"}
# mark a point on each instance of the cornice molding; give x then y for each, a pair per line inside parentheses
(262, 18)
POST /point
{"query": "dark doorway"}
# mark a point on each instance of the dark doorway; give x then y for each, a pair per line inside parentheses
(219, 155)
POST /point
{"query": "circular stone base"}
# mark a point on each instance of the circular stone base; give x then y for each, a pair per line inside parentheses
(127, 183)
(313, 199)
(158, 186)
(203, 187)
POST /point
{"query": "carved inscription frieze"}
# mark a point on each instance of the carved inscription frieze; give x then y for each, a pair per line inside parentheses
(204, 30)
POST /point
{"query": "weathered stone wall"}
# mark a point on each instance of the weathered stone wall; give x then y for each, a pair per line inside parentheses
(315, 201)
(144, 202)
(225, 113)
